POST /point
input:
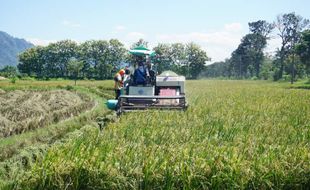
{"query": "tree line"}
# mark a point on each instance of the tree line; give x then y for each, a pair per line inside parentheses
(291, 59)
(100, 59)
(94, 59)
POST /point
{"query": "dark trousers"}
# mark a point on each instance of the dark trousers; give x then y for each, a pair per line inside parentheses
(117, 93)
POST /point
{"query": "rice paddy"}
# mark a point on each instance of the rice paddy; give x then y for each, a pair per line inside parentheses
(21, 111)
(234, 135)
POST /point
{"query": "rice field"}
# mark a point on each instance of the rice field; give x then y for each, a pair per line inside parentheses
(21, 111)
(234, 135)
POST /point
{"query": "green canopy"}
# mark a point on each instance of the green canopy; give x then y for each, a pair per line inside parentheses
(141, 50)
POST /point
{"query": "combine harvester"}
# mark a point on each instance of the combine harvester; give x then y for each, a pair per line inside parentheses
(164, 91)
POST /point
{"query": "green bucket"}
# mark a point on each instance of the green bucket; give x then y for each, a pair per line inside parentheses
(111, 104)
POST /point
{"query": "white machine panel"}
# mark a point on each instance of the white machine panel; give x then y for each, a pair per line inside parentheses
(172, 81)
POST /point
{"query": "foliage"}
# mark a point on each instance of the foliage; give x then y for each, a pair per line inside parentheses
(249, 59)
(290, 27)
(266, 72)
(74, 68)
(188, 60)
(217, 69)
(101, 59)
(164, 60)
(13, 80)
(195, 62)
(8, 71)
(303, 48)
(261, 27)
(98, 58)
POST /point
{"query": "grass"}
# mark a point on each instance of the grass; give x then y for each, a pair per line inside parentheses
(305, 84)
(235, 134)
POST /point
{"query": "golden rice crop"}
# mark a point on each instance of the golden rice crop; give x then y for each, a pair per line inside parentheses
(21, 111)
(235, 134)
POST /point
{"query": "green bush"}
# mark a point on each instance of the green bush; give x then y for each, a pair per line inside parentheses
(13, 80)
(286, 78)
(69, 87)
(27, 78)
(254, 78)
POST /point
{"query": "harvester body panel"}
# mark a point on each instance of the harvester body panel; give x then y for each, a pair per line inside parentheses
(167, 93)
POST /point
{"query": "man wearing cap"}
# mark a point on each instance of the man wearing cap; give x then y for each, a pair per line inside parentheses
(119, 82)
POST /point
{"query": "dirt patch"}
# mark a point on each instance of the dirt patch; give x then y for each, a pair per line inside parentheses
(2, 78)
(21, 111)
(2, 91)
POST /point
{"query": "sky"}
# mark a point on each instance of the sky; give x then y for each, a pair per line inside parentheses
(217, 25)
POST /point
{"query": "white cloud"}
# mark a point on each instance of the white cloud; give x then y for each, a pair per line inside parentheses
(136, 35)
(218, 45)
(120, 27)
(233, 27)
(43, 42)
(70, 24)
(273, 44)
(40, 42)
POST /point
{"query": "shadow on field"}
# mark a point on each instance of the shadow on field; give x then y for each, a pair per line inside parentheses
(300, 87)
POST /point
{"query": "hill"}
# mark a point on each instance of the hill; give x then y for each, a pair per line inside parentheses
(10, 47)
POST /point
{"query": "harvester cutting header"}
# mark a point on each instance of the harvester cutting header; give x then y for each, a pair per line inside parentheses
(144, 89)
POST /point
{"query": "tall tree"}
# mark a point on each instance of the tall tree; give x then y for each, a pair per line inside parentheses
(178, 54)
(248, 57)
(261, 27)
(289, 27)
(103, 68)
(196, 60)
(303, 49)
(31, 61)
(170, 56)
(163, 57)
(74, 68)
(95, 55)
(57, 57)
(117, 54)
(261, 30)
